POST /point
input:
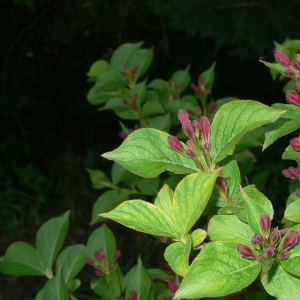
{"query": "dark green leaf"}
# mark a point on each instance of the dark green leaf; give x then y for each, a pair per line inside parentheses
(99, 179)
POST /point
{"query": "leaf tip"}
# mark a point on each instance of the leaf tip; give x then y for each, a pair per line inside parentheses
(106, 155)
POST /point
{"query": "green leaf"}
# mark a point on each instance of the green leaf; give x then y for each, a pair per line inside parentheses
(70, 261)
(73, 284)
(56, 289)
(245, 159)
(158, 274)
(292, 263)
(292, 211)
(164, 200)
(98, 96)
(160, 122)
(190, 198)
(257, 204)
(182, 76)
(149, 185)
(20, 259)
(122, 54)
(141, 58)
(111, 80)
(106, 202)
(266, 265)
(107, 287)
(102, 238)
(218, 270)
(97, 68)
(233, 120)
(198, 236)
(162, 88)
(40, 295)
(275, 66)
(120, 174)
(177, 256)
(140, 89)
(49, 240)
(174, 106)
(291, 153)
(146, 152)
(137, 279)
(251, 139)
(151, 108)
(143, 216)
(229, 229)
(99, 179)
(284, 125)
(281, 284)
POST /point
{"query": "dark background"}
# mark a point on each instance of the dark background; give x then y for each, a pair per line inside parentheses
(50, 133)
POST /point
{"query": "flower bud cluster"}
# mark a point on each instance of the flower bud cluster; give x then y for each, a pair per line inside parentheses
(174, 89)
(132, 102)
(266, 244)
(293, 71)
(101, 264)
(198, 145)
(130, 74)
(202, 88)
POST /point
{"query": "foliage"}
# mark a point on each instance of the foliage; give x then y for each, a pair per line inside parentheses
(184, 186)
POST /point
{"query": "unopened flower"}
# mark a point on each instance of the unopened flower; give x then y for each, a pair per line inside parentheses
(298, 192)
(212, 107)
(173, 287)
(298, 85)
(183, 116)
(259, 238)
(99, 272)
(292, 97)
(89, 261)
(221, 183)
(265, 223)
(295, 143)
(282, 58)
(275, 235)
(117, 255)
(292, 173)
(174, 142)
(188, 130)
(100, 255)
(290, 240)
(290, 73)
(133, 295)
(269, 250)
(191, 153)
(245, 251)
(204, 125)
(285, 254)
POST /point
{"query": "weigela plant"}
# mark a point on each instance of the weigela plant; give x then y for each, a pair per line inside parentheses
(217, 228)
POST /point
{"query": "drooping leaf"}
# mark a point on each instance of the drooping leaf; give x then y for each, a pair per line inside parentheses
(70, 261)
(284, 125)
(50, 238)
(107, 202)
(177, 256)
(144, 217)
(146, 152)
(233, 120)
(138, 280)
(218, 270)
(256, 204)
(229, 229)
(20, 259)
(281, 284)
(190, 198)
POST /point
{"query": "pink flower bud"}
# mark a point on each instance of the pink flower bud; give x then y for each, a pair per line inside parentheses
(125, 66)
(118, 298)
(188, 130)
(298, 85)
(296, 64)
(191, 153)
(259, 238)
(212, 107)
(292, 173)
(201, 80)
(190, 144)
(290, 240)
(275, 236)
(292, 97)
(171, 83)
(89, 261)
(99, 272)
(282, 58)
(175, 143)
(172, 286)
(123, 74)
(204, 125)
(221, 183)
(133, 295)
(179, 85)
(295, 143)
(290, 73)
(285, 254)
(117, 255)
(100, 255)
(183, 116)
(255, 242)
(245, 251)
(265, 223)
(191, 112)
(298, 192)
(135, 70)
(269, 250)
